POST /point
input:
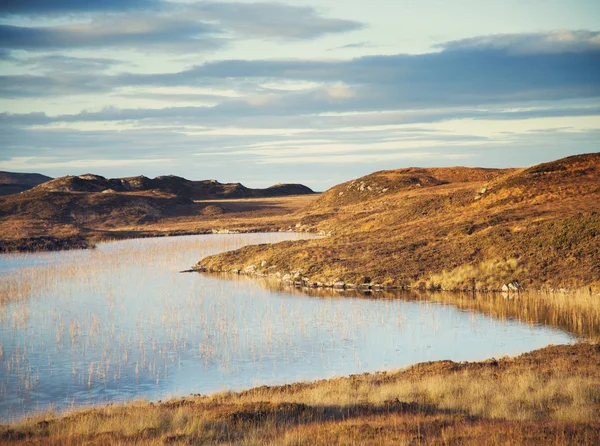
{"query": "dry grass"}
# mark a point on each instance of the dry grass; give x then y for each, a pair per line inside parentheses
(575, 311)
(550, 396)
(462, 230)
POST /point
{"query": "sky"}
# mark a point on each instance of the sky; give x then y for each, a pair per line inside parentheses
(296, 91)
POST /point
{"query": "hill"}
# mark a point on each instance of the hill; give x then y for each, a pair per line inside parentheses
(169, 184)
(76, 211)
(458, 228)
(13, 182)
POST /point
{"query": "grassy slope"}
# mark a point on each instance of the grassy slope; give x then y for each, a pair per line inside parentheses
(448, 228)
(549, 396)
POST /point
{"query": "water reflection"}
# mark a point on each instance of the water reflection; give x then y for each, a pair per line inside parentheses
(120, 322)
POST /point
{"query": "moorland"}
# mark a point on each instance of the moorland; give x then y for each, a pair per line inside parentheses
(471, 230)
(76, 212)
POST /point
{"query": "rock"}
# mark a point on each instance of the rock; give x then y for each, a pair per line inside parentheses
(250, 269)
(264, 263)
(287, 278)
(511, 286)
(339, 284)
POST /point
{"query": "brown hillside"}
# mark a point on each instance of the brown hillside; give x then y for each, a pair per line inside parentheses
(169, 184)
(447, 228)
(13, 182)
(387, 182)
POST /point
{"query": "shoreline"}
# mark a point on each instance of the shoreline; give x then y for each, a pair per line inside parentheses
(403, 398)
(56, 244)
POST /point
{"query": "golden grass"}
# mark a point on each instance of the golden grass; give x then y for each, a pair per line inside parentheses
(576, 311)
(488, 274)
(482, 229)
(550, 396)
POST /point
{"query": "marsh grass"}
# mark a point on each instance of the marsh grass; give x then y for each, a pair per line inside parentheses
(217, 332)
(576, 311)
(550, 396)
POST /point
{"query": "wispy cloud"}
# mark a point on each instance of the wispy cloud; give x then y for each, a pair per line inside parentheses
(176, 28)
(560, 41)
(136, 32)
(353, 46)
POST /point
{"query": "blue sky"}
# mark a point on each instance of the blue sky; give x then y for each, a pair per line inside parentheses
(315, 92)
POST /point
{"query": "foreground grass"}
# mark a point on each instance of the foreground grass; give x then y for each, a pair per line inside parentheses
(550, 396)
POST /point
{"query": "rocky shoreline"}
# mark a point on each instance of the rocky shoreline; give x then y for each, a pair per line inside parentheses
(298, 280)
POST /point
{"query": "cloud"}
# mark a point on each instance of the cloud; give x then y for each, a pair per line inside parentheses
(353, 46)
(233, 115)
(559, 41)
(273, 20)
(126, 32)
(48, 7)
(44, 163)
(472, 76)
(62, 64)
(177, 27)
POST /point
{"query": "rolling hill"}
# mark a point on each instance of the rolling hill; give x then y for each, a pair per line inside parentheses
(13, 182)
(76, 211)
(454, 229)
(168, 184)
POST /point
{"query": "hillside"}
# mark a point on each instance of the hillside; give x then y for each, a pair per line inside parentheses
(168, 184)
(456, 228)
(77, 211)
(13, 182)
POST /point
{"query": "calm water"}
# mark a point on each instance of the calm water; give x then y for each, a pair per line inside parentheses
(120, 322)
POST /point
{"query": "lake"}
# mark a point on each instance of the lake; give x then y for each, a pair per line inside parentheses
(120, 322)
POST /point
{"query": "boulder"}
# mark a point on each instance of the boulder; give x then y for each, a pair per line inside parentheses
(511, 286)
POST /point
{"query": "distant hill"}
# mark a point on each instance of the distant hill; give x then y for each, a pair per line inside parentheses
(169, 184)
(75, 211)
(454, 229)
(13, 182)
